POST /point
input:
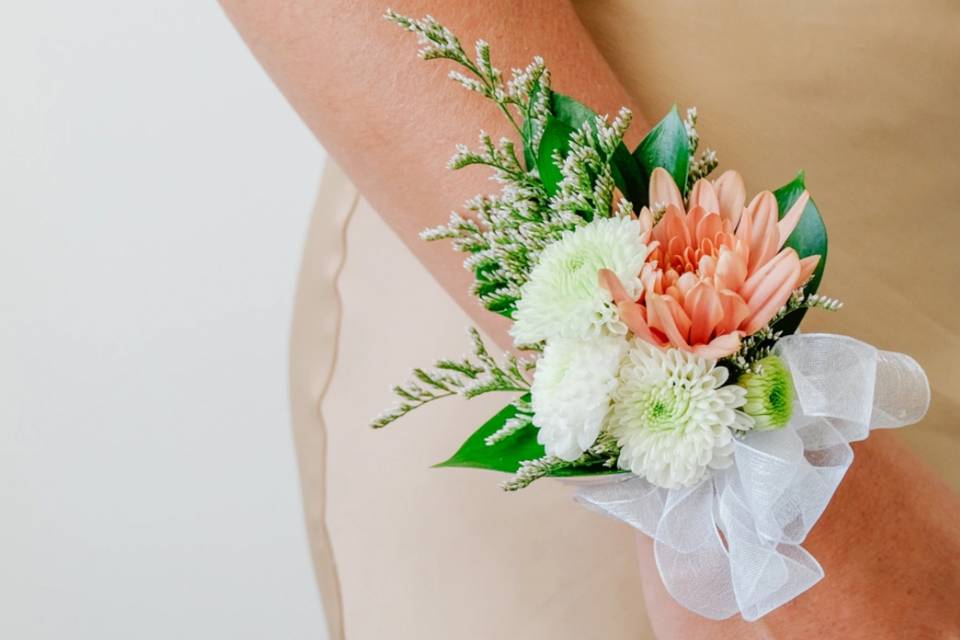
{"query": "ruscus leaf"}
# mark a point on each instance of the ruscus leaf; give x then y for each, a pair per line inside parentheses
(667, 146)
(809, 238)
(507, 454)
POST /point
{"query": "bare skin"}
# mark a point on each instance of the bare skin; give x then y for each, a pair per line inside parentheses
(889, 541)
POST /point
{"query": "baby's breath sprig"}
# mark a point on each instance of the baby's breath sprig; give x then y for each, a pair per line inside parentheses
(703, 166)
(502, 158)
(438, 42)
(469, 377)
(816, 301)
(604, 452)
(522, 418)
(690, 125)
(532, 470)
(503, 233)
(587, 185)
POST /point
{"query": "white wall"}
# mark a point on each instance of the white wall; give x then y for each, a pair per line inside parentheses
(154, 193)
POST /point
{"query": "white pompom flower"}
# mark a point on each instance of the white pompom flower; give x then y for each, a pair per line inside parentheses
(673, 417)
(563, 297)
(571, 391)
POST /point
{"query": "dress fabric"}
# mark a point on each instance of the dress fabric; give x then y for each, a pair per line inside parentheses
(861, 94)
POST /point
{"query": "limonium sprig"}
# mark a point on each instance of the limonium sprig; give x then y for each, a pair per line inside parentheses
(499, 232)
(587, 186)
(467, 377)
(700, 167)
(602, 455)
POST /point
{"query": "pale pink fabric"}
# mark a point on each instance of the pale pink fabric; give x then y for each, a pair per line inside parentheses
(421, 552)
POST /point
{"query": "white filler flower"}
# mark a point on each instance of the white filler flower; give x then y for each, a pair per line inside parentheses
(672, 416)
(571, 392)
(563, 297)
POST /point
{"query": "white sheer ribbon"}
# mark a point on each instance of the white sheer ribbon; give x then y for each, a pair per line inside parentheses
(732, 543)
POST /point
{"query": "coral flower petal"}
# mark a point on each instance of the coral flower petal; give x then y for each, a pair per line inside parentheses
(707, 266)
(714, 272)
(651, 279)
(807, 266)
(789, 222)
(660, 316)
(719, 347)
(731, 194)
(764, 204)
(673, 226)
(709, 227)
(694, 216)
(761, 277)
(633, 316)
(731, 270)
(680, 317)
(764, 236)
(762, 315)
(663, 190)
(735, 311)
(704, 195)
(703, 306)
(610, 282)
(743, 232)
(768, 247)
(686, 282)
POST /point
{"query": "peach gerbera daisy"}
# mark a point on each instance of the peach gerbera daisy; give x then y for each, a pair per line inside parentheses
(716, 271)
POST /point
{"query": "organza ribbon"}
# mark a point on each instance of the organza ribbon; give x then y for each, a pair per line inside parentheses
(732, 543)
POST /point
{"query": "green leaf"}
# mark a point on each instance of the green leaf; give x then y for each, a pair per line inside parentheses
(528, 129)
(566, 116)
(808, 239)
(627, 173)
(570, 111)
(629, 177)
(507, 454)
(556, 137)
(667, 146)
(503, 305)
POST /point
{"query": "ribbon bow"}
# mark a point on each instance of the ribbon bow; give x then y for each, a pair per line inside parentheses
(732, 542)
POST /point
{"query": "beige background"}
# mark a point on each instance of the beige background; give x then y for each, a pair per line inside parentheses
(863, 95)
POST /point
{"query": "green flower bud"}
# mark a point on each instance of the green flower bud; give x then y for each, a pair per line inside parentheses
(769, 393)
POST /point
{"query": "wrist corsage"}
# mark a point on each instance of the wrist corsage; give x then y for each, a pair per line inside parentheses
(655, 311)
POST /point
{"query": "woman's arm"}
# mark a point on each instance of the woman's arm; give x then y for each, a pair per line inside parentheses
(391, 120)
(888, 542)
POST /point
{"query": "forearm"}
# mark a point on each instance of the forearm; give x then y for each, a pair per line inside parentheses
(392, 121)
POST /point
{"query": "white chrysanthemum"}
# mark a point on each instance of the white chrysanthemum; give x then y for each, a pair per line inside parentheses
(563, 297)
(571, 392)
(672, 416)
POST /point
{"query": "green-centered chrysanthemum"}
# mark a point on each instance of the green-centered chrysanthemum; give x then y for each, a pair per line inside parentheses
(769, 393)
(674, 416)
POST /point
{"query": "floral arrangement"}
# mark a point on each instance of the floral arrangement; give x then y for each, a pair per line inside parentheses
(655, 311)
